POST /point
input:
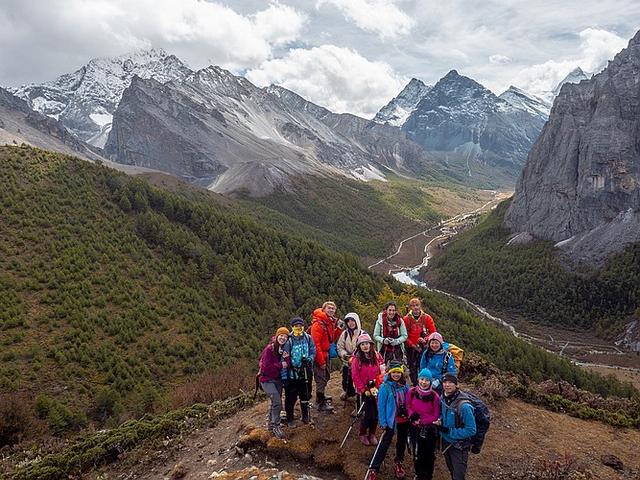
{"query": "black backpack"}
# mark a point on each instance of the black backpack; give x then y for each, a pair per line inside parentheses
(481, 414)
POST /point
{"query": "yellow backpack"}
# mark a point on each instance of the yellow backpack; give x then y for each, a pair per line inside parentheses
(457, 353)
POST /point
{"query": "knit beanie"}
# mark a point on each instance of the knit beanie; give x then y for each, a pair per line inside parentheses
(395, 366)
(363, 338)
(425, 373)
(282, 331)
(435, 336)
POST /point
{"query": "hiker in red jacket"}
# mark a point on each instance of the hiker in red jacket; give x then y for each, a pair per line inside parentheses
(325, 330)
(419, 326)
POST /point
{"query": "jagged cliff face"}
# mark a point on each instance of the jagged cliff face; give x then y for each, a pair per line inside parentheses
(582, 178)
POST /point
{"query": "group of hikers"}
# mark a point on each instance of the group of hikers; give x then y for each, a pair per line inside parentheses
(432, 413)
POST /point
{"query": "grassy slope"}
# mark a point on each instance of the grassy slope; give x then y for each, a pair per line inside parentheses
(112, 291)
(530, 280)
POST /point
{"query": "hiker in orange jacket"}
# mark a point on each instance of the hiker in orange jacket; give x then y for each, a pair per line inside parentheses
(325, 330)
(419, 326)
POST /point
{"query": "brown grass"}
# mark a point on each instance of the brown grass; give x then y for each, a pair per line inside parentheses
(215, 385)
(18, 421)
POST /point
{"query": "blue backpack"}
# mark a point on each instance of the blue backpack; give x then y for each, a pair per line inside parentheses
(481, 414)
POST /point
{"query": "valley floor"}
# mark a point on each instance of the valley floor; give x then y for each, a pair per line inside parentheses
(524, 442)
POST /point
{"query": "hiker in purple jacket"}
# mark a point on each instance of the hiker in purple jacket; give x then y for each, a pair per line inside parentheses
(273, 359)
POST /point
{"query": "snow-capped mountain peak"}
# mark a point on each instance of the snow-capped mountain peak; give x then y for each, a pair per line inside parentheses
(85, 100)
(398, 109)
(526, 101)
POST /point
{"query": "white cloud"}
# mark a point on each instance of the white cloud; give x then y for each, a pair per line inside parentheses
(498, 59)
(279, 24)
(382, 17)
(597, 46)
(200, 32)
(337, 78)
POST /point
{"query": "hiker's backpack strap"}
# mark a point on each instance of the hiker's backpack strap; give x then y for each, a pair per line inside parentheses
(445, 362)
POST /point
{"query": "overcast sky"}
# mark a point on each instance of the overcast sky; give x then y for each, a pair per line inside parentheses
(347, 55)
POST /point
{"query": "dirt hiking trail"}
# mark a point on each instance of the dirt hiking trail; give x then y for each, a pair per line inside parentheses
(524, 442)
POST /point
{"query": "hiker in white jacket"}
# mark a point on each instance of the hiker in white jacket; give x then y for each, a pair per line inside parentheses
(346, 346)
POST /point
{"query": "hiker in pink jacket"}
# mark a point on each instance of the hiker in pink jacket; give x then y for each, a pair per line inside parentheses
(423, 406)
(366, 367)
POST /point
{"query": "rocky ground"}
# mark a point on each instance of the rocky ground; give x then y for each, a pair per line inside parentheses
(524, 442)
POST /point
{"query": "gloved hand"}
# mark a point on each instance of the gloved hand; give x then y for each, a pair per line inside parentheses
(367, 393)
(414, 417)
(435, 383)
(341, 325)
(374, 391)
(387, 341)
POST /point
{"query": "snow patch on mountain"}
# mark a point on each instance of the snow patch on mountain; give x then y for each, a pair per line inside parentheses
(397, 111)
(526, 101)
(367, 173)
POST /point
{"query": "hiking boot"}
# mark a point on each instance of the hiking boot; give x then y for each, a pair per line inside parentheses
(371, 475)
(398, 469)
(373, 440)
(325, 407)
(307, 420)
(277, 432)
(364, 440)
(291, 423)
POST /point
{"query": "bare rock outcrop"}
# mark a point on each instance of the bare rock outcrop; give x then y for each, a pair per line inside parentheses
(581, 183)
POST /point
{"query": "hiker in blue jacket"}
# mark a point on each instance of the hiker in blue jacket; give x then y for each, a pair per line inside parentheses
(438, 360)
(456, 433)
(392, 416)
(297, 378)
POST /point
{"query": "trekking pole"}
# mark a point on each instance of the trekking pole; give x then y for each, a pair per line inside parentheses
(353, 422)
(375, 452)
(307, 387)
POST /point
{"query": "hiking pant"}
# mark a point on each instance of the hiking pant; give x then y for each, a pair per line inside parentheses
(298, 388)
(423, 442)
(273, 389)
(392, 353)
(413, 362)
(369, 421)
(385, 442)
(347, 382)
(322, 375)
(456, 459)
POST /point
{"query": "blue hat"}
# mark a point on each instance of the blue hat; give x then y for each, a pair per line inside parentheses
(297, 321)
(425, 373)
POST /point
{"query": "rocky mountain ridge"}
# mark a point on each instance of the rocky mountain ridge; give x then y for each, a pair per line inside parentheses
(469, 127)
(581, 184)
(220, 131)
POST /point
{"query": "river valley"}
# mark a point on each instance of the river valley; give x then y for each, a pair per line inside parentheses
(582, 348)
